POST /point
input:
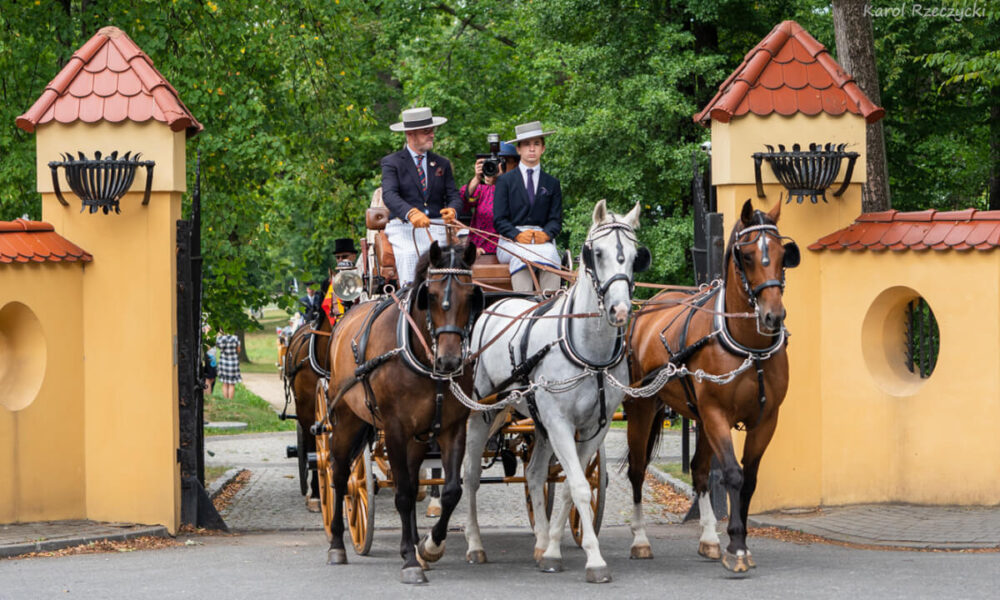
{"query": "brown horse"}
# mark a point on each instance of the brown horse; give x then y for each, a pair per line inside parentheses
(392, 363)
(743, 379)
(305, 362)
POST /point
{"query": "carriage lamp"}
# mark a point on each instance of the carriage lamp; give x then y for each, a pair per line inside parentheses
(101, 182)
(806, 173)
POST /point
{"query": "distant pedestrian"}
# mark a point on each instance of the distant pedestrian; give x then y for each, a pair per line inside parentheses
(229, 363)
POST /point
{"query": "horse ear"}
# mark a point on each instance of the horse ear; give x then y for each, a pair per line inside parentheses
(435, 253)
(632, 218)
(746, 215)
(792, 256)
(587, 256)
(469, 256)
(478, 302)
(643, 259)
(422, 297)
(600, 212)
(774, 213)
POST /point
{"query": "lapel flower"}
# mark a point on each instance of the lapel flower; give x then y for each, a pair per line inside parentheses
(433, 164)
(439, 172)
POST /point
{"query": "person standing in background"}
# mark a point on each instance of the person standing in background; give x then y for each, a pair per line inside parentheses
(229, 363)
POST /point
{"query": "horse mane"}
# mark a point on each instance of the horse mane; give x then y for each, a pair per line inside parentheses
(759, 218)
(424, 262)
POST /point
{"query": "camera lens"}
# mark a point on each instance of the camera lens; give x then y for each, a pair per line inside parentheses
(490, 168)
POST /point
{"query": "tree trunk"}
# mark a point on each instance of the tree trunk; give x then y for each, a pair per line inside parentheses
(994, 183)
(244, 358)
(856, 53)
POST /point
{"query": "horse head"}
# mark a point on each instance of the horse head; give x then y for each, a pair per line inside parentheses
(758, 254)
(611, 257)
(449, 300)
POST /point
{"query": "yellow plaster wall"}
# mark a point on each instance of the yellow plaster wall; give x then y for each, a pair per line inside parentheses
(129, 322)
(887, 434)
(791, 472)
(734, 143)
(42, 467)
(153, 139)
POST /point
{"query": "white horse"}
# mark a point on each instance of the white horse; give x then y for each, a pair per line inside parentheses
(572, 402)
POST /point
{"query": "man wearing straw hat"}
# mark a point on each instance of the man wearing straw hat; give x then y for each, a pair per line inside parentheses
(417, 186)
(527, 208)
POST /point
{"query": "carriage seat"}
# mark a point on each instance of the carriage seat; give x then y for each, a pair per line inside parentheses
(488, 270)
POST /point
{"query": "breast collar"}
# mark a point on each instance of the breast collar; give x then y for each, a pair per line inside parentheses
(569, 349)
(726, 338)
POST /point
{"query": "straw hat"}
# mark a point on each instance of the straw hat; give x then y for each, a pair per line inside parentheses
(528, 131)
(417, 118)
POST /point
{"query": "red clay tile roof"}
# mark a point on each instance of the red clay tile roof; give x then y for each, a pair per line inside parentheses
(24, 241)
(788, 72)
(929, 229)
(109, 78)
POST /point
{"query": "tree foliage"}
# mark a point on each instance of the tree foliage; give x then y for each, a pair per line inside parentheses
(296, 99)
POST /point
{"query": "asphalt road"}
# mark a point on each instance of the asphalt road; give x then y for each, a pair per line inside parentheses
(292, 565)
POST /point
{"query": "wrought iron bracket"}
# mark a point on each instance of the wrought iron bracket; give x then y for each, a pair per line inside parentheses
(101, 183)
(806, 173)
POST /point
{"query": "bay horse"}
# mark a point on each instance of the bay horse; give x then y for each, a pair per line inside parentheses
(306, 360)
(560, 367)
(701, 332)
(391, 361)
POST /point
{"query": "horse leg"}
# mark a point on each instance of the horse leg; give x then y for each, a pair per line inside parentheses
(314, 481)
(475, 444)
(537, 476)
(434, 506)
(452, 444)
(406, 493)
(756, 443)
(561, 436)
(701, 464)
(640, 415)
(717, 429)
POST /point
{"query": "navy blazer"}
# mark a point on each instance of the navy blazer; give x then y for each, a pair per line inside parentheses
(511, 208)
(401, 185)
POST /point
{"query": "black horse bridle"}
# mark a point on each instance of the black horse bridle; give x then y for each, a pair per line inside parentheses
(790, 259)
(641, 263)
(450, 274)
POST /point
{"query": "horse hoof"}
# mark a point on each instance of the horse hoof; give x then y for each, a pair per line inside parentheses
(336, 556)
(312, 505)
(735, 563)
(750, 561)
(598, 575)
(709, 551)
(413, 575)
(475, 557)
(538, 554)
(641, 552)
(433, 511)
(550, 565)
(426, 554)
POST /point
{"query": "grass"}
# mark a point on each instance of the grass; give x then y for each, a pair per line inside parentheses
(245, 407)
(262, 345)
(214, 472)
(674, 470)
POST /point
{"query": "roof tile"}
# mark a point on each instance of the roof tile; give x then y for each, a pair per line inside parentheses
(898, 231)
(24, 241)
(107, 66)
(803, 64)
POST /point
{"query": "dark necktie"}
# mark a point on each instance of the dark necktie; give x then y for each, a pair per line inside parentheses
(531, 189)
(421, 174)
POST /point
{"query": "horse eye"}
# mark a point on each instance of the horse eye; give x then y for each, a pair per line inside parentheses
(747, 257)
(598, 253)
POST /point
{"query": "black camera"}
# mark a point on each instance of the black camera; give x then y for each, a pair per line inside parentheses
(492, 161)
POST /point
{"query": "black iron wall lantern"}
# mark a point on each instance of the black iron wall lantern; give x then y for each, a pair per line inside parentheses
(806, 173)
(101, 183)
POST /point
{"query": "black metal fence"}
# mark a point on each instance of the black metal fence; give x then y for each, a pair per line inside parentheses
(923, 340)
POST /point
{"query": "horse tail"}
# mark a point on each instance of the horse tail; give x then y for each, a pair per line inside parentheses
(365, 436)
(654, 437)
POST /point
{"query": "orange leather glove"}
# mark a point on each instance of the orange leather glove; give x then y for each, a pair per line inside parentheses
(526, 237)
(541, 237)
(417, 218)
(449, 215)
